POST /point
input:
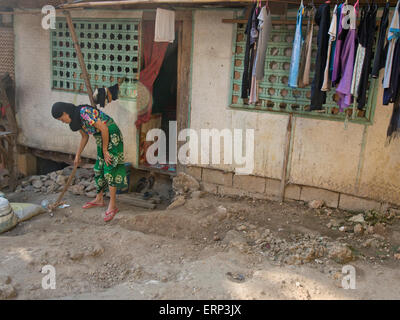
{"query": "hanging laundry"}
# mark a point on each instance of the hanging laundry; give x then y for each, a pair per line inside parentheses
(335, 33)
(305, 60)
(347, 58)
(332, 38)
(322, 19)
(337, 62)
(164, 26)
(104, 96)
(370, 27)
(255, 33)
(393, 34)
(390, 94)
(248, 56)
(381, 49)
(265, 28)
(296, 52)
(360, 55)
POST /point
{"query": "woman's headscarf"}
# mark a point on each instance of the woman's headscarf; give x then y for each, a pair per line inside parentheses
(73, 112)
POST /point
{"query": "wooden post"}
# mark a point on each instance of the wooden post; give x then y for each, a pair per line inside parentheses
(12, 126)
(286, 158)
(80, 57)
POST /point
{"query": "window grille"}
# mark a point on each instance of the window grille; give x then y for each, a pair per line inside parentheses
(111, 51)
(275, 95)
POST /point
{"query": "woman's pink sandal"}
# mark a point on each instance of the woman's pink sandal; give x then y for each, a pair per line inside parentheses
(110, 214)
(89, 205)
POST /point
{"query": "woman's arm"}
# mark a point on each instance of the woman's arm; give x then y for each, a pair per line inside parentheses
(105, 138)
(82, 145)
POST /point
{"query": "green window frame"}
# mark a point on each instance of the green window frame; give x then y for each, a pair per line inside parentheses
(275, 95)
(110, 48)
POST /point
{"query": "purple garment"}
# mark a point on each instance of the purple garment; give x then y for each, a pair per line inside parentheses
(347, 58)
(336, 72)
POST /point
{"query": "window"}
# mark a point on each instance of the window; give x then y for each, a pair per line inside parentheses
(275, 95)
(111, 51)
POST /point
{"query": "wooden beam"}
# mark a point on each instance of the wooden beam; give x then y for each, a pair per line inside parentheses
(80, 57)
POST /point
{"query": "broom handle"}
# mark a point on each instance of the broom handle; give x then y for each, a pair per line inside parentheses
(67, 184)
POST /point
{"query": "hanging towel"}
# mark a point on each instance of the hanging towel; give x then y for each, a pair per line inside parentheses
(347, 58)
(305, 62)
(392, 38)
(380, 54)
(265, 27)
(332, 39)
(297, 43)
(164, 26)
(322, 19)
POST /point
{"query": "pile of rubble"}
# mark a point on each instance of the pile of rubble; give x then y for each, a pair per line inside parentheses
(82, 184)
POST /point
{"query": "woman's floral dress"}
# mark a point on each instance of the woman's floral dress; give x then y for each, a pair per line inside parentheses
(113, 175)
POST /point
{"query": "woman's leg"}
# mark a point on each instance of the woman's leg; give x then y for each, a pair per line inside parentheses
(113, 197)
(99, 198)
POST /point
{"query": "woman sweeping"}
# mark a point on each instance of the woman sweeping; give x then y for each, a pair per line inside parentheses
(109, 169)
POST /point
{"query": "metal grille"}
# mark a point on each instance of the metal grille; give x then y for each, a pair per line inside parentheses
(274, 92)
(111, 51)
(7, 51)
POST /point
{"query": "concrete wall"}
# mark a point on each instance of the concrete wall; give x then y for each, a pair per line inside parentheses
(35, 97)
(325, 154)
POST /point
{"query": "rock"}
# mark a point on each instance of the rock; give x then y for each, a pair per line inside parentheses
(371, 243)
(91, 194)
(75, 255)
(4, 279)
(358, 229)
(83, 173)
(241, 228)
(342, 229)
(25, 183)
(66, 171)
(178, 201)
(380, 229)
(53, 176)
(369, 230)
(333, 223)
(90, 187)
(7, 291)
(34, 178)
(61, 180)
(340, 253)
(78, 189)
(37, 184)
(316, 204)
(221, 210)
(235, 239)
(235, 277)
(43, 189)
(184, 182)
(52, 188)
(48, 183)
(358, 218)
(197, 194)
(98, 250)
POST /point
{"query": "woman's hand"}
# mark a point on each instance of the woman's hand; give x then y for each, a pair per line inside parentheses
(77, 160)
(107, 157)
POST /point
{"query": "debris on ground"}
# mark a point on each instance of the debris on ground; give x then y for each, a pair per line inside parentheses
(316, 204)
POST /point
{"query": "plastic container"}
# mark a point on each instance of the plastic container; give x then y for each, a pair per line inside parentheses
(128, 168)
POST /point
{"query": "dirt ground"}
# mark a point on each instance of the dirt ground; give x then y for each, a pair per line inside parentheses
(209, 248)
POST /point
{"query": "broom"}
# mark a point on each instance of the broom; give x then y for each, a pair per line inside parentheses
(58, 202)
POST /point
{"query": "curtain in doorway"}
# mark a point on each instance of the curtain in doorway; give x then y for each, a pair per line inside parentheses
(153, 56)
